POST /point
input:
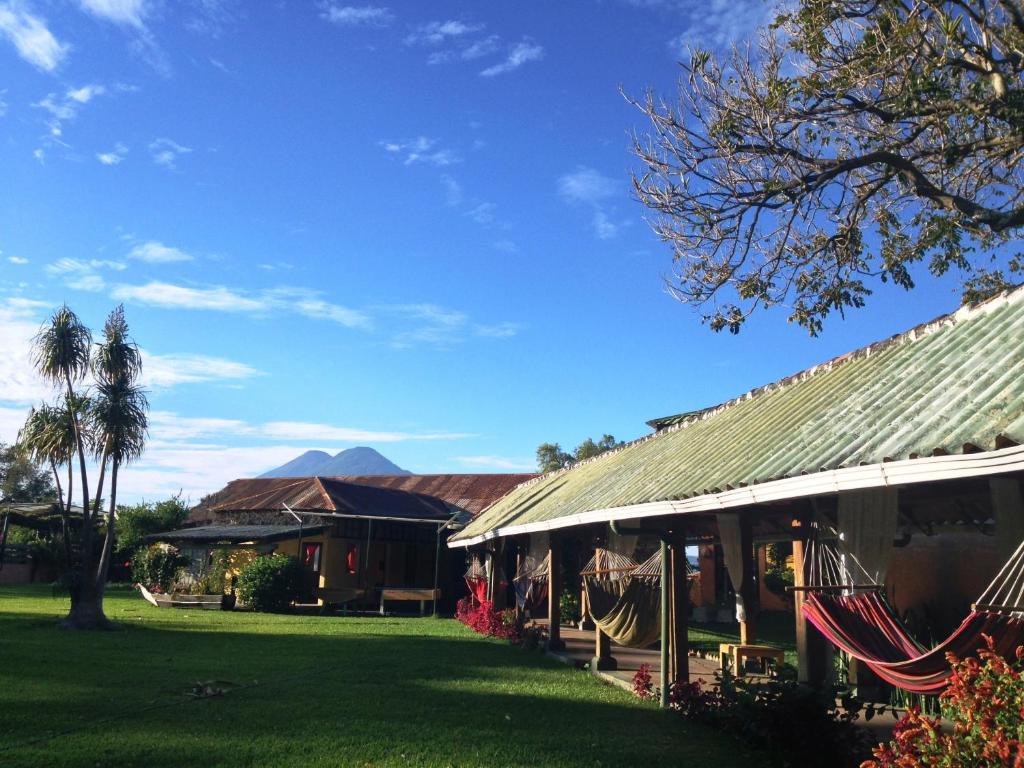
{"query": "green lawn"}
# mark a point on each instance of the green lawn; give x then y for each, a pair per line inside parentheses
(310, 691)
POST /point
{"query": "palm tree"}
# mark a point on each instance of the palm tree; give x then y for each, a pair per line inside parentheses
(61, 352)
(118, 416)
(48, 438)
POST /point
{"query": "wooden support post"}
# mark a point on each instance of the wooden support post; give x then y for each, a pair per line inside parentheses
(555, 642)
(603, 659)
(749, 588)
(499, 589)
(680, 651)
(814, 653)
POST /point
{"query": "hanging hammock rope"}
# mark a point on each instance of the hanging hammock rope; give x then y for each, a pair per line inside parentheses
(864, 625)
(625, 598)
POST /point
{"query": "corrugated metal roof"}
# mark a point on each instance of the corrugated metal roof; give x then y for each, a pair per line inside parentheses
(472, 493)
(955, 382)
(414, 496)
(236, 534)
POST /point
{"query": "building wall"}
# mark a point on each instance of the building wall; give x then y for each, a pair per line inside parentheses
(936, 578)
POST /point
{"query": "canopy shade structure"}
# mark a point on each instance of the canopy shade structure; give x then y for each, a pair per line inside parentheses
(942, 401)
(235, 534)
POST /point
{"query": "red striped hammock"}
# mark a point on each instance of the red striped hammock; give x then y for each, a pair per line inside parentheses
(864, 626)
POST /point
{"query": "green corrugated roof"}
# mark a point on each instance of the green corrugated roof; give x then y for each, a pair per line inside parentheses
(958, 380)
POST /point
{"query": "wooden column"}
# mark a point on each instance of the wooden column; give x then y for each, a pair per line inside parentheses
(603, 659)
(749, 590)
(813, 651)
(679, 654)
(555, 642)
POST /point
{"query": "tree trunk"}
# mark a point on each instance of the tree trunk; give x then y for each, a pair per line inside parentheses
(103, 571)
(87, 611)
(65, 529)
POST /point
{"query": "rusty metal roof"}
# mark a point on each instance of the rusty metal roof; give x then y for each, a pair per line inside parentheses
(951, 387)
(415, 497)
(472, 493)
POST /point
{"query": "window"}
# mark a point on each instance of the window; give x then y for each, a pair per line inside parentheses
(311, 556)
(352, 560)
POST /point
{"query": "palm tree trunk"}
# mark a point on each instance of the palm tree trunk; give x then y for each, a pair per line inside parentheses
(108, 543)
(87, 611)
(64, 527)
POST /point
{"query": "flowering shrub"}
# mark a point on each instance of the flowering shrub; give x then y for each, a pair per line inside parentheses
(643, 686)
(481, 617)
(157, 567)
(984, 701)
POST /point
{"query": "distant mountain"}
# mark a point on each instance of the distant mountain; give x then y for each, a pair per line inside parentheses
(354, 461)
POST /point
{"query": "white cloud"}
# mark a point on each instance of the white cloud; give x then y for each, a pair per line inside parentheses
(357, 16)
(452, 190)
(586, 185)
(162, 371)
(483, 213)
(437, 326)
(498, 462)
(604, 228)
(3, 104)
(31, 37)
(65, 266)
(165, 152)
(165, 425)
(128, 13)
(154, 252)
(722, 23)
(114, 156)
(39, 155)
(485, 46)
(19, 322)
(299, 301)
(506, 246)
(521, 53)
(169, 296)
(85, 94)
(504, 330)
(88, 282)
(17, 260)
(420, 150)
(65, 108)
(438, 32)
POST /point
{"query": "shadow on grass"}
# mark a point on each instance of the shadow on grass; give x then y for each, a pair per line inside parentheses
(347, 692)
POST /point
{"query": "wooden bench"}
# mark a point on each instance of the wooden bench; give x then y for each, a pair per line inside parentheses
(732, 654)
(409, 593)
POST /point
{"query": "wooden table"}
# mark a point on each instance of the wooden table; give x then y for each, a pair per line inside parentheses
(409, 593)
(732, 654)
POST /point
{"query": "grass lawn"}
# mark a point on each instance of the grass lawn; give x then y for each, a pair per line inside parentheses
(310, 691)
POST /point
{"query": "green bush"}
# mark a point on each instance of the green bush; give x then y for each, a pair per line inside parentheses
(569, 607)
(270, 583)
(157, 567)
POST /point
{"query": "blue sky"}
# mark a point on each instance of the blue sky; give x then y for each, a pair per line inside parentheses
(408, 226)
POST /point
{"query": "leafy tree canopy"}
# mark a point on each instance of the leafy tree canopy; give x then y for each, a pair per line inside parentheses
(551, 457)
(854, 140)
(21, 479)
(137, 521)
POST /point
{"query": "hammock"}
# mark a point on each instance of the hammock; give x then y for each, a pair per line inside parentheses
(531, 579)
(624, 598)
(476, 579)
(864, 625)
